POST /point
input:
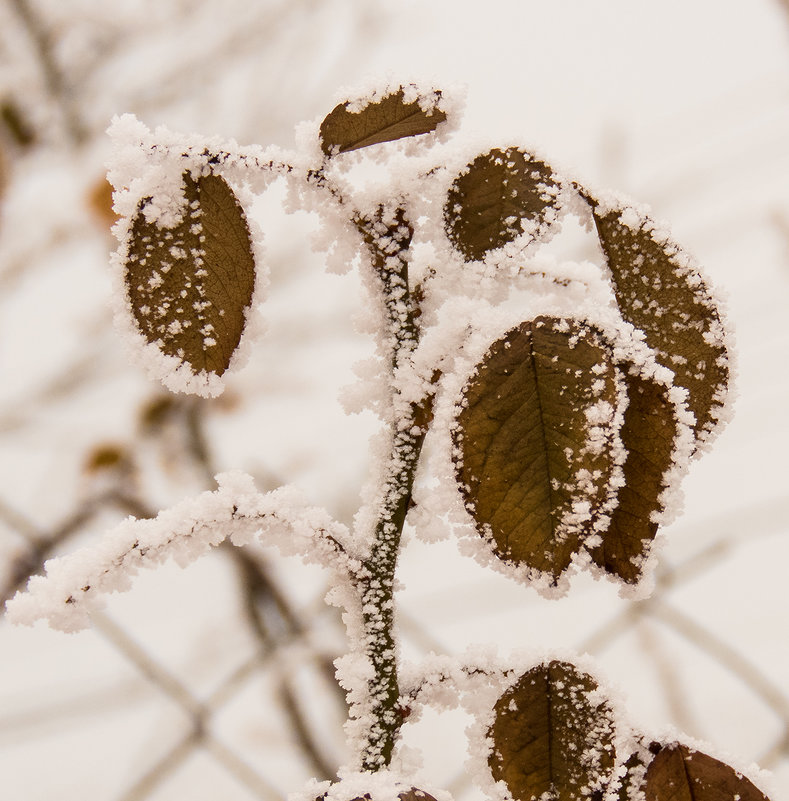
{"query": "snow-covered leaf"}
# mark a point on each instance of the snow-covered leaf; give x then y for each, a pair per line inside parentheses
(553, 736)
(649, 435)
(499, 196)
(392, 117)
(659, 290)
(680, 773)
(533, 441)
(190, 285)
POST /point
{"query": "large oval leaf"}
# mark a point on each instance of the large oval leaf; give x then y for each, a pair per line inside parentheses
(190, 285)
(680, 773)
(385, 120)
(553, 736)
(660, 291)
(649, 435)
(533, 441)
(499, 196)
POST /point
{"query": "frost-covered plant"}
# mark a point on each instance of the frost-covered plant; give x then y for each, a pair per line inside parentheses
(543, 410)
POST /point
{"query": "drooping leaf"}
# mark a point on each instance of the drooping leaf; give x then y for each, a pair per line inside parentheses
(553, 736)
(385, 120)
(680, 773)
(660, 291)
(649, 436)
(497, 197)
(190, 286)
(533, 441)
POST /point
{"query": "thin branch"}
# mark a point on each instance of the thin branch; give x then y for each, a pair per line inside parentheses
(777, 752)
(666, 579)
(197, 711)
(149, 668)
(161, 770)
(259, 592)
(241, 770)
(724, 654)
(54, 78)
(678, 702)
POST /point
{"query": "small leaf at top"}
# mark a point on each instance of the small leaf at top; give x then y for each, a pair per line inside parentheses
(190, 286)
(649, 436)
(499, 196)
(660, 291)
(553, 736)
(533, 441)
(680, 773)
(385, 120)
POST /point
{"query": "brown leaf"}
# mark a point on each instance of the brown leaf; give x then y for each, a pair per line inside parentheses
(386, 120)
(528, 459)
(660, 292)
(680, 773)
(190, 286)
(497, 197)
(553, 736)
(649, 436)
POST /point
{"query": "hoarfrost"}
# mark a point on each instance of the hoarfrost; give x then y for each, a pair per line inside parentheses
(74, 585)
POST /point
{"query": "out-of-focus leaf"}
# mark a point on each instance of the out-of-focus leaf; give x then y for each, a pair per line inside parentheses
(190, 286)
(649, 436)
(386, 120)
(680, 773)
(100, 203)
(497, 197)
(533, 441)
(659, 290)
(553, 736)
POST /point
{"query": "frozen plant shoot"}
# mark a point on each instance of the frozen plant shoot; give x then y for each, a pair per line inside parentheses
(560, 403)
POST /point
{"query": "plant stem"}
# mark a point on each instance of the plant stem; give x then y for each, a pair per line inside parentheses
(388, 237)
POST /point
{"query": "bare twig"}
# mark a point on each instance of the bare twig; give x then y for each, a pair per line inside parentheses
(725, 655)
(260, 594)
(149, 667)
(162, 769)
(676, 697)
(54, 78)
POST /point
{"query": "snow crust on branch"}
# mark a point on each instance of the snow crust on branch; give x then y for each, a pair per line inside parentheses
(76, 584)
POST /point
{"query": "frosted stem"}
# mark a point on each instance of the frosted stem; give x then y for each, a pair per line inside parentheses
(388, 237)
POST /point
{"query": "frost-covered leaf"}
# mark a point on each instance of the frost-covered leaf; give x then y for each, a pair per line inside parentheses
(392, 117)
(659, 290)
(190, 285)
(533, 441)
(553, 736)
(499, 196)
(649, 436)
(680, 773)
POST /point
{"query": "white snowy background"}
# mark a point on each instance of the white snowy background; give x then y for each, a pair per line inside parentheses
(684, 106)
